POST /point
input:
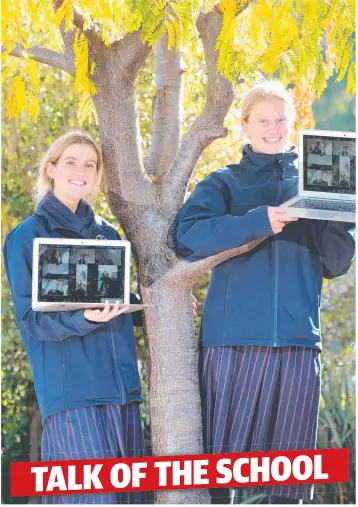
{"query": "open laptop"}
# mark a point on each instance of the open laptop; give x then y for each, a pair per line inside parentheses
(72, 274)
(326, 176)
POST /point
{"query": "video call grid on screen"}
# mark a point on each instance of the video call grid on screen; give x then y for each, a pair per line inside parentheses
(81, 274)
(329, 164)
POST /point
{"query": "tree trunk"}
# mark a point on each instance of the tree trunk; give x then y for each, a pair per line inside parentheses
(146, 210)
(173, 379)
(146, 205)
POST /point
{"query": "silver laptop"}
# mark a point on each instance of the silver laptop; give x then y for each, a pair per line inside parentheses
(326, 176)
(72, 274)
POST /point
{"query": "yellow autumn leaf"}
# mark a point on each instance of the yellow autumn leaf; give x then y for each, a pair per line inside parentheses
(171, 34)
(65, 12)
(31, 68)
(347, 56)
(6, 73)
(16, 99)
(351, 84)
(86, 110)
(33, 106)
(177, 30)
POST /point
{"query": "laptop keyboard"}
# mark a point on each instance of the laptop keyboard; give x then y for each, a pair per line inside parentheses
(325, 205)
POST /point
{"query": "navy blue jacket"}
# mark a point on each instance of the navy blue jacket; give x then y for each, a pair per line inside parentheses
(270, 295)
(75, 363)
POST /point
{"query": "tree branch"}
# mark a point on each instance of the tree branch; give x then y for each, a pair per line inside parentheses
(46, 56)
(68, 40)
(186, 273)
(167, 111)
(116, 103)
(209, 125)
(92, 34)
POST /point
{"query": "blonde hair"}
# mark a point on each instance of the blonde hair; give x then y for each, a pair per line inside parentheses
(54, 152)
(264, 91)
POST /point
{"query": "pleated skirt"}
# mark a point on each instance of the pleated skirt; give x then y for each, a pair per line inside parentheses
(257, 398)
(100, 431)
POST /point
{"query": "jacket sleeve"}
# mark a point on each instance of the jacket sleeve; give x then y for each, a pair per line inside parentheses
(46, 326)
(205, 228)
(337, 247)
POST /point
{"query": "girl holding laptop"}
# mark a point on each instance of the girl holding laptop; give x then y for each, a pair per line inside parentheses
(260, 336)
(84, 362)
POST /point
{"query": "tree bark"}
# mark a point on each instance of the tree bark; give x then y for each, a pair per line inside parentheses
(174, 398)
(167, 109)
(209, 125)
(46, 56)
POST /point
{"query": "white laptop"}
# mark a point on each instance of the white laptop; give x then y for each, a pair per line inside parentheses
(326, 176)
(73, 274)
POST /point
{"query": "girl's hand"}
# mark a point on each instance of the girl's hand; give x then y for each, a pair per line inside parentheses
(194, 304)
(279, 219)
(106, 314)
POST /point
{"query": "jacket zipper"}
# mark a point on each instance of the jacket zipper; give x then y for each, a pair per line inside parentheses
(276, 263)
(119, 374)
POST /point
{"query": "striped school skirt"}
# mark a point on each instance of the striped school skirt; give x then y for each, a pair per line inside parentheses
(100, 431)
(257, 398)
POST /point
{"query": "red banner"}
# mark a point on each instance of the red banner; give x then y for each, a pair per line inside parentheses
(179, 472)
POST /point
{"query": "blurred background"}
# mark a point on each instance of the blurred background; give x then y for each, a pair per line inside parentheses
(24, 143)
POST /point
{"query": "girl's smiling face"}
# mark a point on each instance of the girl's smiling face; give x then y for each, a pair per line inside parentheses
(268, 126)
(74, 174)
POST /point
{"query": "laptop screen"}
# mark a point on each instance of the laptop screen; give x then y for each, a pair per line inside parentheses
(82, 274)
(329, 164)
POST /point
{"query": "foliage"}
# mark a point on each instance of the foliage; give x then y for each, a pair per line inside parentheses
(17, 396)
(288, 44)
(337, 311)
(337, 424)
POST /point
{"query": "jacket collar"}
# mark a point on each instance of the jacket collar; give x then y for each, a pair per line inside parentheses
(253, 161)
(59, 216)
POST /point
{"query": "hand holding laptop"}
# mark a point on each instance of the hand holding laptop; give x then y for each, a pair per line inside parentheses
(107, 313)
(326, 177)
(279, 218)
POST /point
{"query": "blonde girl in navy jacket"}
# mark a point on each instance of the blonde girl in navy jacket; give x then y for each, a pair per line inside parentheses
(260, 337)
(84, 362)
